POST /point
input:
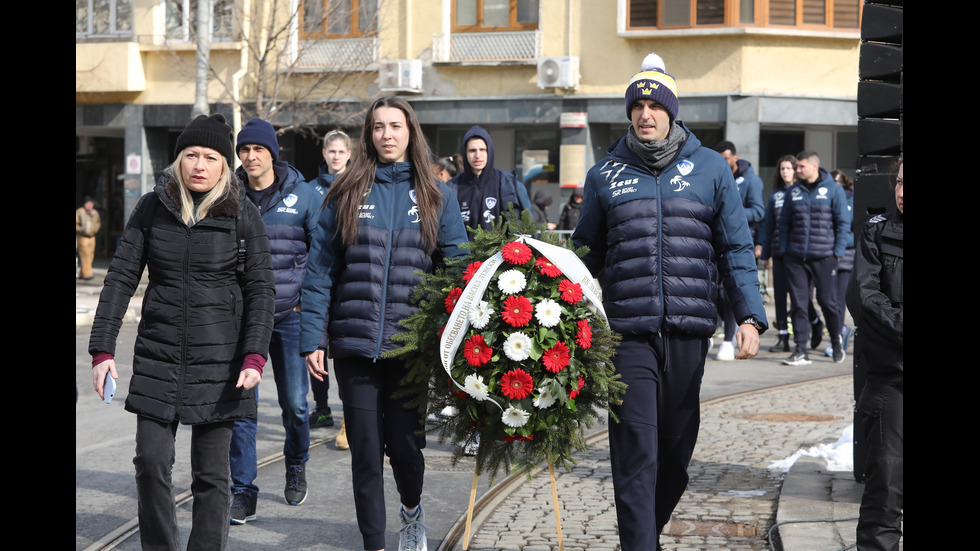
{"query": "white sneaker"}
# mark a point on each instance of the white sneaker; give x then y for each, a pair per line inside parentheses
(726, 352)
(411, 537)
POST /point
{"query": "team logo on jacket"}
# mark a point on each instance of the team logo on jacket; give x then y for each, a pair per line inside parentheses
(679, 182)
(685, 167)
(490, 202)
(777, 199)
(414, 211)
(290, 199)
(611, 170)
(821, 192)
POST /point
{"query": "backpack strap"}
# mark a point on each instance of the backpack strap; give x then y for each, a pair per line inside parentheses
(239, 232)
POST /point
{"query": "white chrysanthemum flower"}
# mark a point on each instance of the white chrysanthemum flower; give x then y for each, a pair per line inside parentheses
(546, 399)
(548, 312)
(480, 314)
(515, 417)
(518, 347)
(475, 387)
(511, 281)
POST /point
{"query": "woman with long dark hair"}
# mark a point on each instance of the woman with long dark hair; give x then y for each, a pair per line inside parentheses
(204, 335)
(384, 219)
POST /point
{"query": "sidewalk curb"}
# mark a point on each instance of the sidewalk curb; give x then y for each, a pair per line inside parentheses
(817, 508)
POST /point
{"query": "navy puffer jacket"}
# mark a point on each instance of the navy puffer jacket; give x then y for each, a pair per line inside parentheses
(657, 241)
(198, 322)
(768, 235)
(290, 210)
(361, 293)
(815, 221)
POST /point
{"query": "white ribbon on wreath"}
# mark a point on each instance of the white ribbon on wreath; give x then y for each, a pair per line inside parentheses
(459, 322)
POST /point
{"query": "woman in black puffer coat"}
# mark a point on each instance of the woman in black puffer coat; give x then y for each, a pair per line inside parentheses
(204, 332)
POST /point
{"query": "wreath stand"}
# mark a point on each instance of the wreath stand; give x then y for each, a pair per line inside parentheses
(554, 502)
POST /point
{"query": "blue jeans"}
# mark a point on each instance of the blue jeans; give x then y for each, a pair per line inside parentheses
(293, 384)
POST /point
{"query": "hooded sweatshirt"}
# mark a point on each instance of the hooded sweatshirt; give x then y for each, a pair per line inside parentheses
(483, 198)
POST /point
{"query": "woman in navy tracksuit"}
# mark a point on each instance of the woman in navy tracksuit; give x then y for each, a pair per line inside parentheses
(846, 264)
(384, 219)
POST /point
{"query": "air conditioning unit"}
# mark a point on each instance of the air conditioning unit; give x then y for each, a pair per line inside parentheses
(558, 72)
(400, 75)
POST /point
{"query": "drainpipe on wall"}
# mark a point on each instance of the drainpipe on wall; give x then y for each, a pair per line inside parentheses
(242, 70)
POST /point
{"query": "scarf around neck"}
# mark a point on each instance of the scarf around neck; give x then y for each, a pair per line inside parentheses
(657, 154)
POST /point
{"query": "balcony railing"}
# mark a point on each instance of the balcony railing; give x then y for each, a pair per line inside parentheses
(338, 54)
(487, 47)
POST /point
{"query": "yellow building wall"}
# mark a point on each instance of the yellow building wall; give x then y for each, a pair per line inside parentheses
(736, 61)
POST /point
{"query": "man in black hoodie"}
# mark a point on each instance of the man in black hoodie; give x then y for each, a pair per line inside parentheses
(484, 192)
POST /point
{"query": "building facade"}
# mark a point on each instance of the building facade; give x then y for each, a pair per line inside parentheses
(545, 77)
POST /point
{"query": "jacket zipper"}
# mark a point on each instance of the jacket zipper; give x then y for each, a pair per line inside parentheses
(384, 280)
(660, 265)
(183, 339)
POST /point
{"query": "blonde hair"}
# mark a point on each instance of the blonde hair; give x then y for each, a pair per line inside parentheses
(219, 192)
(336, 136)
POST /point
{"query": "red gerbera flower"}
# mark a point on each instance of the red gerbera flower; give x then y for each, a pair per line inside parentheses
(547, 268)
(452, 297)
(517, 253)
(476, 351)
(570, 292)
(471, 271)
(459, 393)
(584, 336)
(572, 394)
(517, 310)
(516, 384)
(556, 358)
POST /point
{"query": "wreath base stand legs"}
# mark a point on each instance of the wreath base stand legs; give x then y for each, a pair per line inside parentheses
(554, 502)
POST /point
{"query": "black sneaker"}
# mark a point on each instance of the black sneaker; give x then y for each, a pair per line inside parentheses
(838, 346)
(816, 333)
(799, 357)
(295, 484)
(242, 507)
(782, 344)
(321, 418)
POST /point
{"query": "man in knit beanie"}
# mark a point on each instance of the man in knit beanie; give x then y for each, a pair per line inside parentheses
(289, 208)
(661, 215)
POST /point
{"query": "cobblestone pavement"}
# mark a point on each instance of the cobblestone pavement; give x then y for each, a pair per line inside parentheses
(730, 502)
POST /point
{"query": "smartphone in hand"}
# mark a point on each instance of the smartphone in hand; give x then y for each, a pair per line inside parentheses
(109, 387)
